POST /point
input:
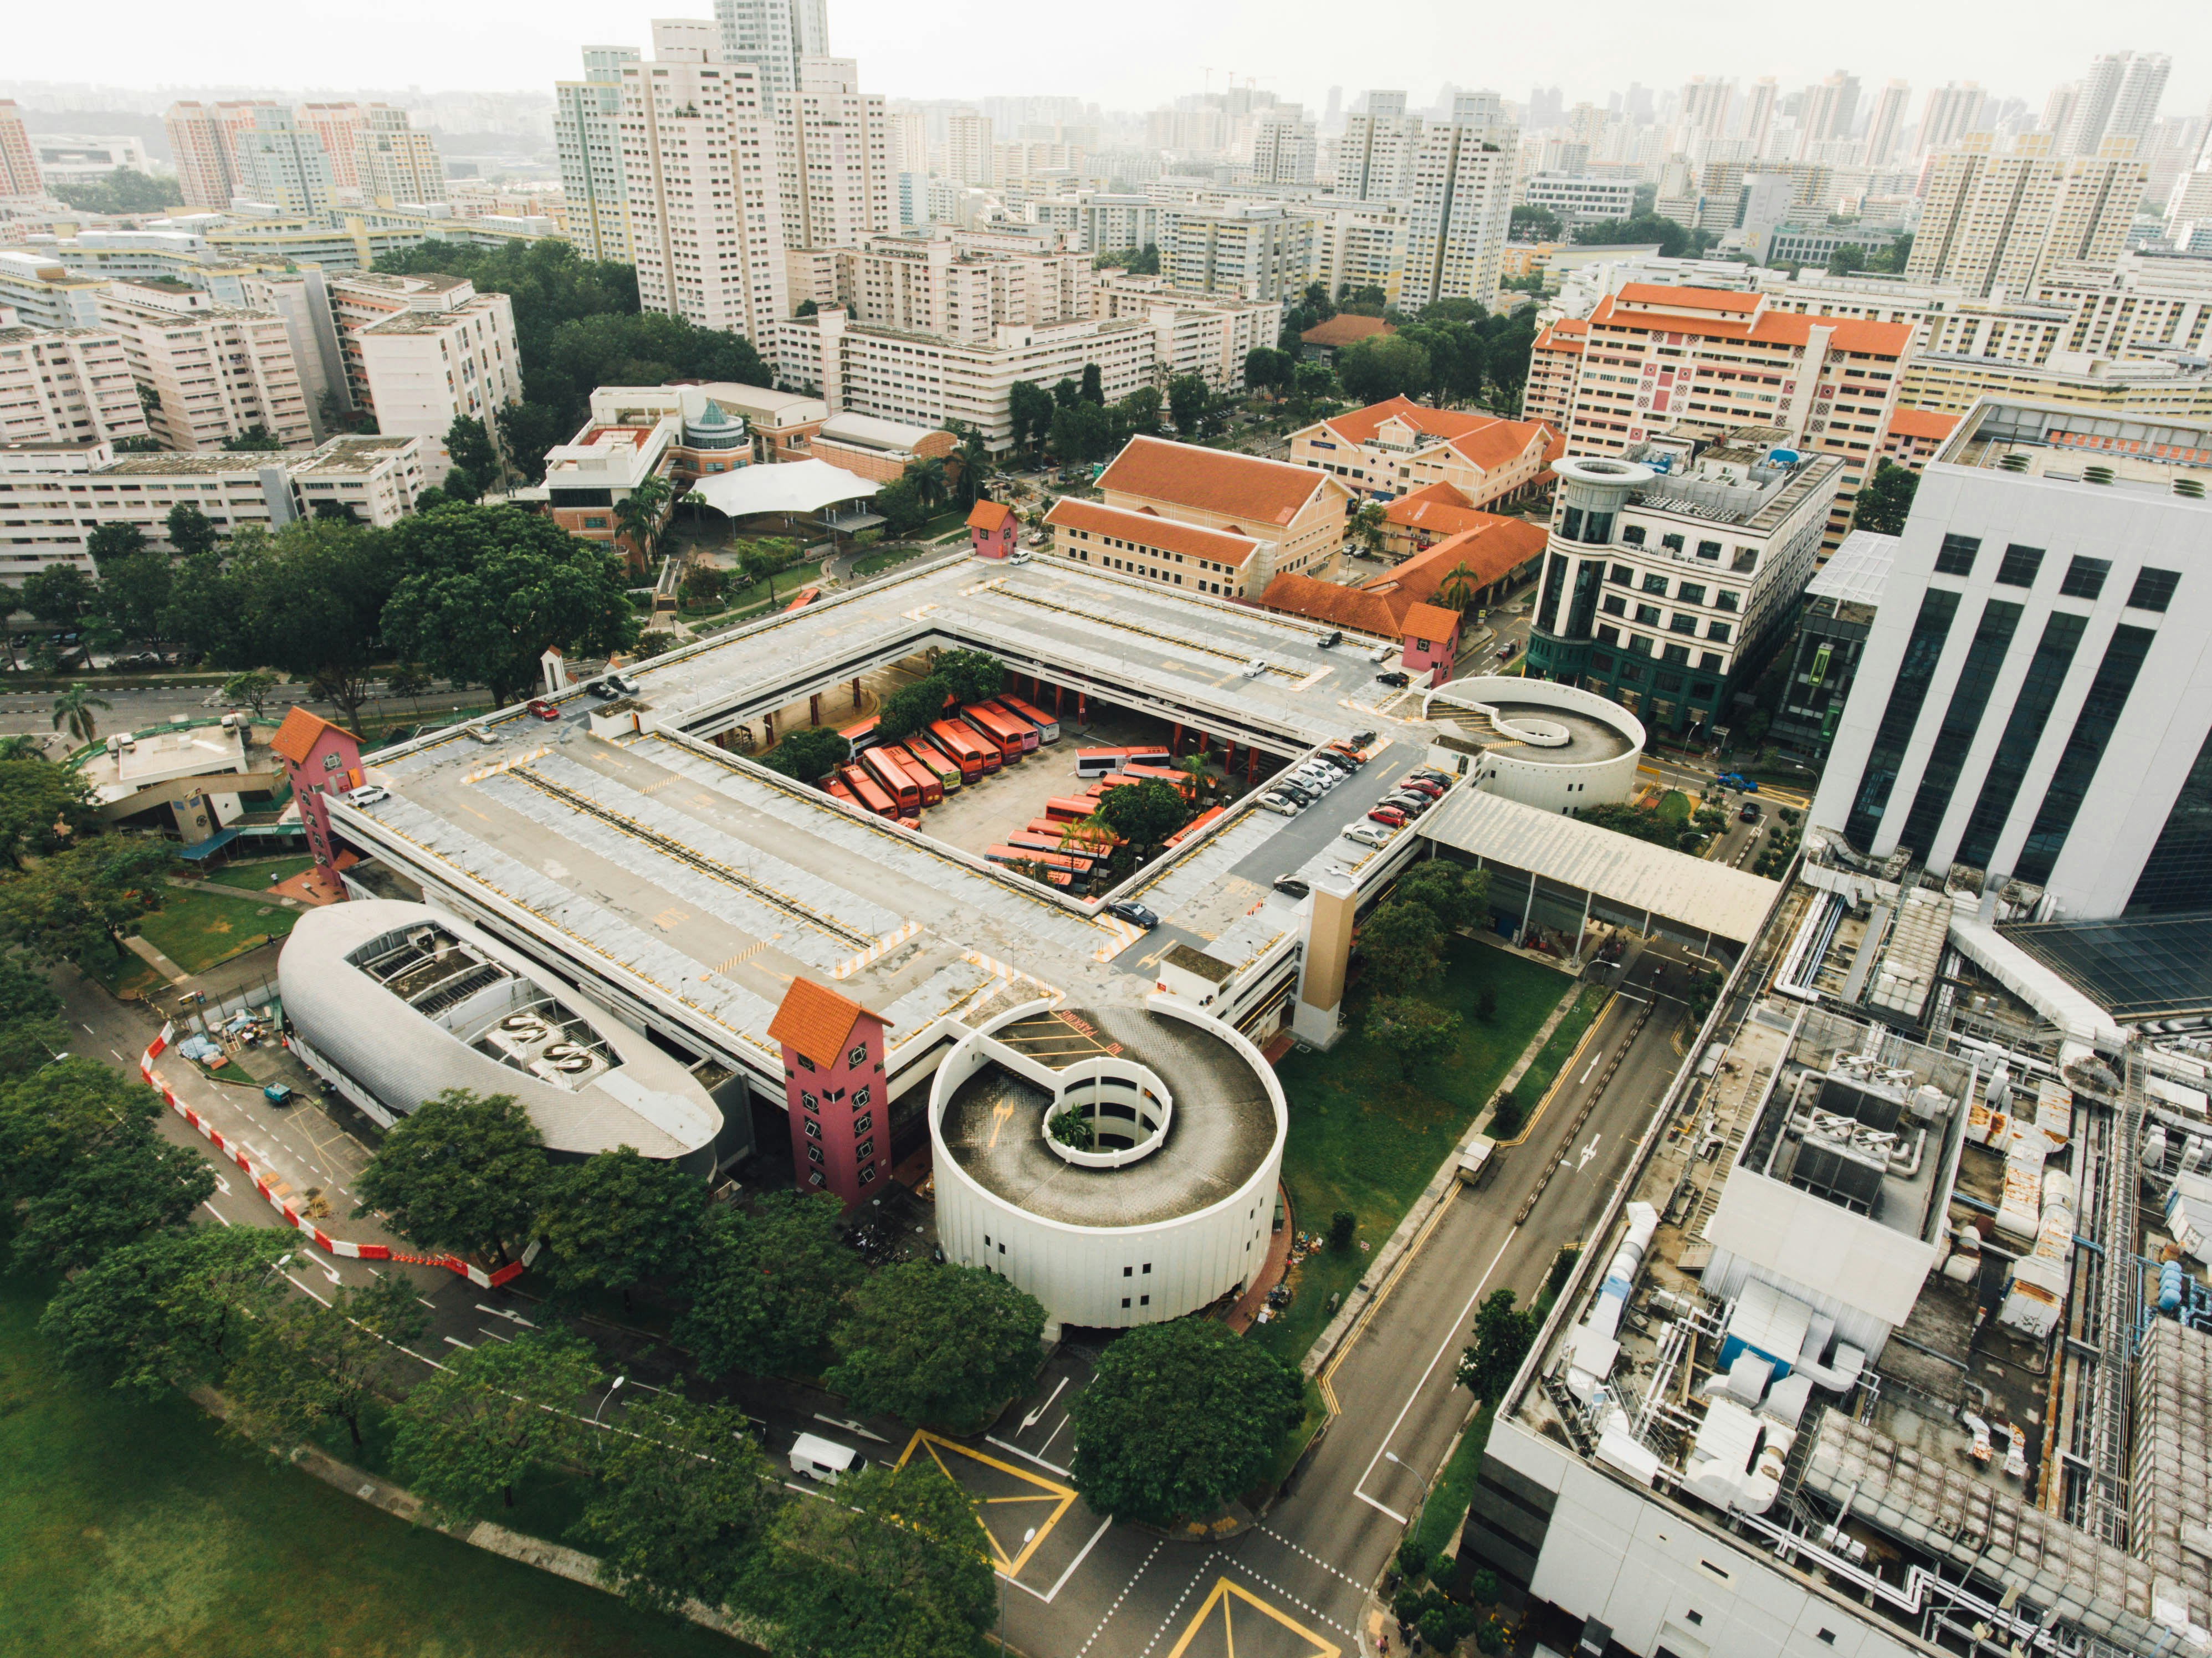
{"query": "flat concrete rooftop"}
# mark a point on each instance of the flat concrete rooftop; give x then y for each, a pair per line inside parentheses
(1588, 739)
(1222, 1126)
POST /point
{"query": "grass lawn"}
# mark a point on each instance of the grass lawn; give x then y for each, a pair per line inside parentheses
(123, 972)
(787, 584)
(196, 930)
(1366, 1139)
(1674, 808)
(943, 524)
(136, 1528)
(253, 874)
(1536, 1081)
(883, 561)
(1449, 1498)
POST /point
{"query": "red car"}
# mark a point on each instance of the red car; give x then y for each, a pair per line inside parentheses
(543, 709)
(1423, 786)
(1390, 815)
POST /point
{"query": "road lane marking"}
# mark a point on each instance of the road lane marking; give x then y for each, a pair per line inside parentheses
(1451, 1335)
(1100, 1628)
(1031, 1455)
(1037, 1415)
(1592, 1071)
(1298, 1549)
(212, 1210)
(1061, 1582)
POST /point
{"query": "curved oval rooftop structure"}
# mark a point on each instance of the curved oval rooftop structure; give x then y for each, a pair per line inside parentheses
(396, 1002)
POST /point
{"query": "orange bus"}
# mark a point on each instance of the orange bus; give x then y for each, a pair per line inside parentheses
(836, 788)
(966, 745)
(1059, 863)
(1180, 781)
(1068, 809)
(1048, 725)
(1015, 738)
(893, 780)
(925, 777)
(1051, 843)
(867, 793)
(1197, 823)
(947, 770)
(860, 733)
(1097, 840)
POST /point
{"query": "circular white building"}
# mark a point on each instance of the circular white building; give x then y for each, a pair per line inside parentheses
(1173, 1205)
(1536, 741)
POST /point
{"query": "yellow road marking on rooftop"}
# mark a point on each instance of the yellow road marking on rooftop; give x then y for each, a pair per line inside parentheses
(1224, 1593)
(1001, 1115)
(671, 918)
(1050, 1490)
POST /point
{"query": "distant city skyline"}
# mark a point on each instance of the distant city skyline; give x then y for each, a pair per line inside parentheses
(912, 53)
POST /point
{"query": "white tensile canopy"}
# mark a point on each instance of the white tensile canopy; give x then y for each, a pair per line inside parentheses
(799, 486)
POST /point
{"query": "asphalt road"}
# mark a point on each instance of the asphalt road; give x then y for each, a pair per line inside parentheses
(154, 704)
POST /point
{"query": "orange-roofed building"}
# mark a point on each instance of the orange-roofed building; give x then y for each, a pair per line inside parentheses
(993, 528)
(321, 760)
(1324, 340)
(1292, 516)
(1555, 362)
(1397, 446)
(833, 1076)
(1915, 435)
(1706, 361)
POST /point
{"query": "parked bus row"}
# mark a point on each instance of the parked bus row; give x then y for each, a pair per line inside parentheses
(900, 779)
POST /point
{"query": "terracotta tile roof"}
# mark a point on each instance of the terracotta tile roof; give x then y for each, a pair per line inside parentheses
(1489, 550)
(815, 1021)
(988, 515)
(1431, 622)
(1695, 298)
(296, 738)
(1211, 481)
(1149, 529)
(1921, 423)
(1437, 508)
(1883, 339)
(1325, 601)
(1344, 328)
(1505, 441)
(1360, 425)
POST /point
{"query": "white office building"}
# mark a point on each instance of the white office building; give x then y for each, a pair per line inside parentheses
(1463, 203)
(2035, 697)
(1581, 198)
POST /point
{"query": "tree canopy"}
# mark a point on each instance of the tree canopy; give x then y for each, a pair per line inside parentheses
(1885, 501)
(43, 808)
(81, 901)
(1383, 366)
(462, 1171)
(1179, 1417)
(1144, 814)
(1503, 1336)
(809, 754)
(617, 1219)
(767, 1287)
(937, 1345)
(470, 1431)
(168, 1310)
(1674, 240)
(1401, 945)
(305, 1362)
(127, 190)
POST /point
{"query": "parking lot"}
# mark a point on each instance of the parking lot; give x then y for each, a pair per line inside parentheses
(983, 813)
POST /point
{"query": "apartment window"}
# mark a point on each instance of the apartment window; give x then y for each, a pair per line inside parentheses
(1709, 661)
(2085, 577)
(1679, 654)
(1673, 544)
(1655, 584)
(2084, 751)
(1668, 682)
(1648, 614)
(1609, 636)
(1639, 644)
(1689, 594)
(1717, 632)
(1615, 604)
(1623, 575)
(1633, 535)
(1709, 549)
(2017, 566)
(1725, 600)
(2153, 589)
(1682, 622)
(2023, 731)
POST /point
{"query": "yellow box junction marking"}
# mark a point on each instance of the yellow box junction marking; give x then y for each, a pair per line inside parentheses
(1225, 1593)
(1048, 1491)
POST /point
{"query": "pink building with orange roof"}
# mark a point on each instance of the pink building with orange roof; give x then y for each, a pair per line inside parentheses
(1398, 447)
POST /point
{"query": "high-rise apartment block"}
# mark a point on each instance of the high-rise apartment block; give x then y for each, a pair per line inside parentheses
(1886, 125)
(705, 206)
(1993, 220)
(773, 37)
(1825, 114)
(2035, 698)
(339, 127)
(395, 163)
(2117, 99)
(19, 162)
(1252, 250)
(1952, 112)
(422, 351)
(65, 386)
(281, 163)
(964, 288)
(202, 138)
(587, 137)
(1376, 157)
(835, 148)
(968, 147)
(1283, 148)
(214, 371)
(1462, 204)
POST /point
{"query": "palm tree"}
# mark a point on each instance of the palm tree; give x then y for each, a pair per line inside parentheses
(1193, 766)
(1457, 592)
(927, 477)
(638, 516)
(73, 713)
(22, 746)
(973, 464)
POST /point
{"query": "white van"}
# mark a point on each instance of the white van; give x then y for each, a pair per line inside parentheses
(823, 1459)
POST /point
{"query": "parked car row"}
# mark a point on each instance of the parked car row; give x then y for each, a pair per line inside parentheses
(1292, 792)
(1416, 792)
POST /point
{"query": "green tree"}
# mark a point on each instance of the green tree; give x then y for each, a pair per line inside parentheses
(84, 1170)
(1267, 369)
(809, 754)
(58, 595)
(1139, 414)
(1846, 259)
(768, 1287)
(474, 454)
(191, 532)
(134, 596)
(32, 1032)
(1144, 814)
(43, 808)
(487, 589)
(640, 515)
(1178, 1418)
(168, 1310)
(112, 542)
(254, 439)
(681, 1508)
(305, 1362)
(1367, 525)
(462, 1171)
(1674, 241)
(1311, 384)
(618, 1218)
(1417, 1033)
(81, 901)
(895, 1568)
(1094, 385)
(476, 1427)
(256, 686)
(127, 190)
(942, 1345)
(1030, 406)
(903, 509)
(1503, 1336)
(1401, 945)
(1885, 501)
(969, 675)
(1188, 403)
(307, 601)
(1457, 898)
(1343, 1232)
(971, 466)
(702, 586)
(1083, 432)
(1383, 366)
(1536, 224)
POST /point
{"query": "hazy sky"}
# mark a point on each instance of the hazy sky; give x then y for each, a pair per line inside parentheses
(1134, 54)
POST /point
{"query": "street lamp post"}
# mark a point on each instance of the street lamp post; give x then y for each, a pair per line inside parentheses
(609, 1394)
(1028, 1537)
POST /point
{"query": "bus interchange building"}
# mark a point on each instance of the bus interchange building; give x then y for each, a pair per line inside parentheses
(858, 985)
